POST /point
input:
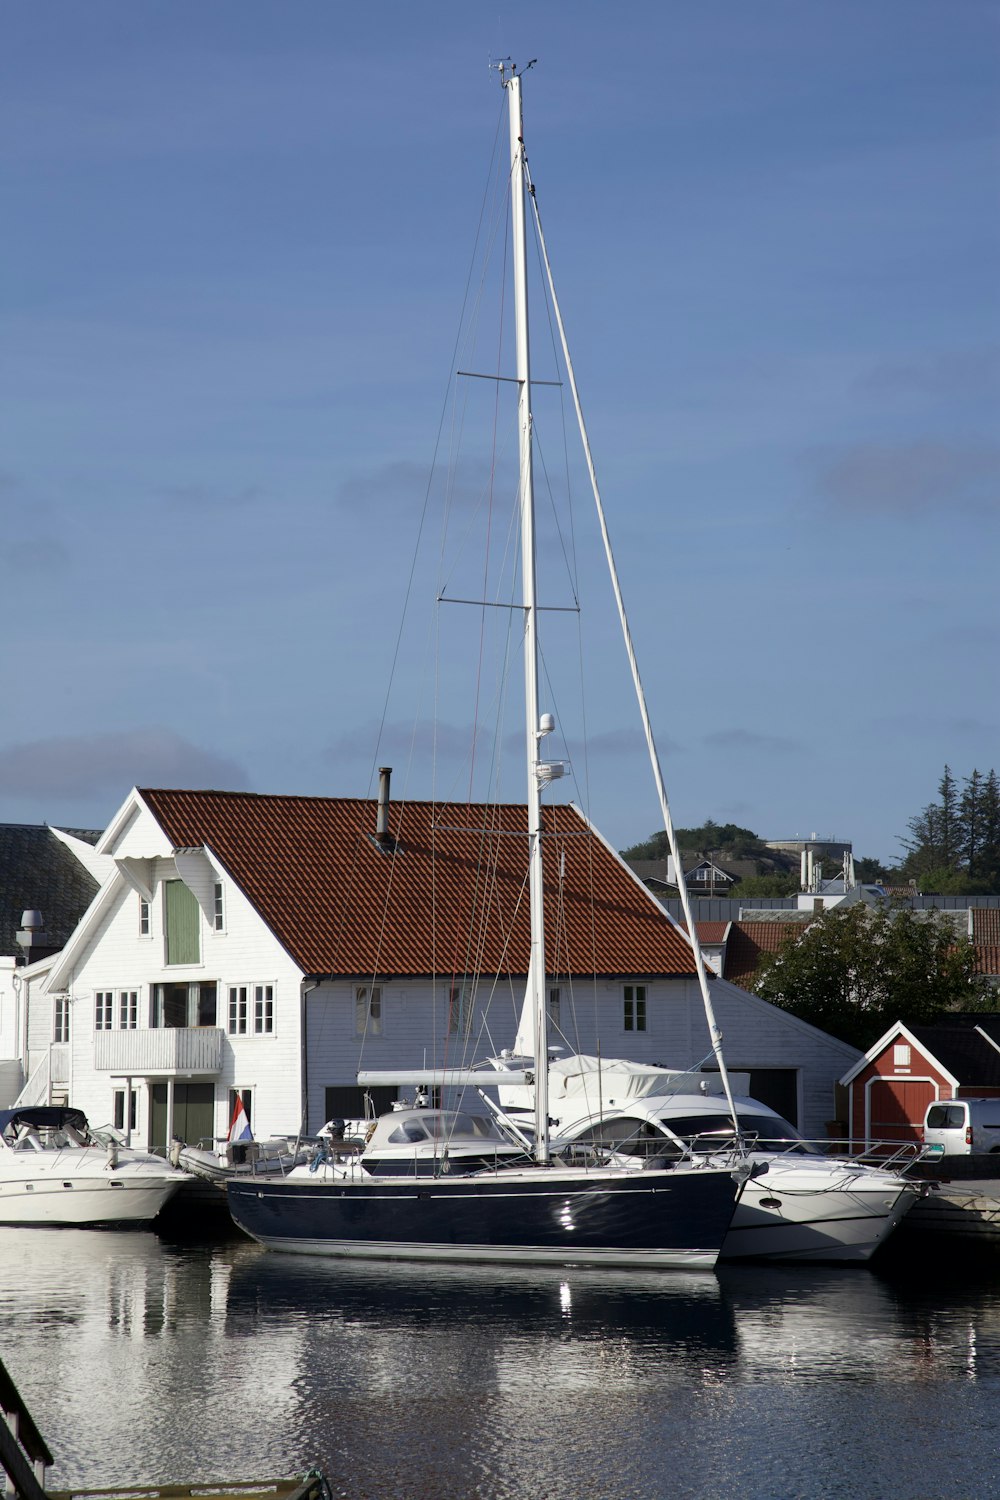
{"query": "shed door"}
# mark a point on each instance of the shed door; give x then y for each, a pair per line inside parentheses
(896, 1107)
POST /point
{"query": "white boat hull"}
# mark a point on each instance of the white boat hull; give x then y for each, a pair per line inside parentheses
(827, 1213)
(63, 1195)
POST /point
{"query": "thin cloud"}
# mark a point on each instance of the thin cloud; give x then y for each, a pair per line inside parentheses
(912, 479)
(46, 546)
(749, 739)
(421, 737)
(402, 485)
(919, 725)
(82, 766)
(201, 498)
(948, 373)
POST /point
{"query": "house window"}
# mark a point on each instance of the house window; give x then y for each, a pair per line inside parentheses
(143, 917)
(219, 909)
(901, 1055)
(554, 998)
(460, 1010)
(104, 1010)
(368, 1010)
(238, 1009)
(635, 1007)
(119, 1109)
(184, 1005)
(241, 1096)
(263, 1009)
(128, 1010)
(60, 1026)
(183, 924)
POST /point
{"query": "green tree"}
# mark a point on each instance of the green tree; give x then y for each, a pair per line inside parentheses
(857, 969)
(956, 836)
(870, 871)
(726, 838)
(767, 885)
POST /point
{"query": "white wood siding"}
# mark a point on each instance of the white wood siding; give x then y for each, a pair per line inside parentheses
(118, 957)
(755, 1035)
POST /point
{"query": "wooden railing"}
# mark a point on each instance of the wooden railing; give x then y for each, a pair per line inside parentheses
(164, 1049)
(24, 1455)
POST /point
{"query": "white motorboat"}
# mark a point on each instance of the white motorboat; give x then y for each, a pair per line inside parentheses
(798, 1204)
(55, 1171)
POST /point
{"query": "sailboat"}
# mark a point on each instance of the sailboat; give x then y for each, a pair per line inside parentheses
(460, 1190)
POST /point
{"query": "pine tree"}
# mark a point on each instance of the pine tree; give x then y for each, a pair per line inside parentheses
(949, 824)
(971, 825)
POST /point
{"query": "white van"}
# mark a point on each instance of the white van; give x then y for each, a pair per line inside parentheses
(963, 1127)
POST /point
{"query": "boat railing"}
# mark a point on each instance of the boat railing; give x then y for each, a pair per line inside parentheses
(24, 1454)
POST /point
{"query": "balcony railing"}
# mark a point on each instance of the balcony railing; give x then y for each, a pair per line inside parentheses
(170, 1049)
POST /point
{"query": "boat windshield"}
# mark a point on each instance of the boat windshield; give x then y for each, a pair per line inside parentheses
(764, 1132)
(442, 1125)
(637, 1136)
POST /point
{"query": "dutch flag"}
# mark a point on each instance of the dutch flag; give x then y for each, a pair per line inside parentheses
(239, 1125)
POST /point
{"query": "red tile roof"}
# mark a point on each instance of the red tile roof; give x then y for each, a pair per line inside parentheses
(452, 899)
(749, 941)
(988, 959)
(986, 925)
(710, 932)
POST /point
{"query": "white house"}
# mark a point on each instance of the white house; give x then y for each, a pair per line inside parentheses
(270, 946)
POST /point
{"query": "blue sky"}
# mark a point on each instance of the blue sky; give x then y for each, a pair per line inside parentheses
(236, 240)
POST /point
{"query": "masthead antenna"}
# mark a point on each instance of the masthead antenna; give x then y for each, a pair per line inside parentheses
(509, 69)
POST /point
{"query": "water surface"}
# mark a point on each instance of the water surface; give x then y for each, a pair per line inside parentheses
(148, 1360)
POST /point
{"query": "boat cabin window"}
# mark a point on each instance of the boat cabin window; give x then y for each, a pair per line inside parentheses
(630, 1136)
(440, 1125)
(768, 1132)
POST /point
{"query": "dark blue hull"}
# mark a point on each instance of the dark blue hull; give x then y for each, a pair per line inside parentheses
(554, 1216)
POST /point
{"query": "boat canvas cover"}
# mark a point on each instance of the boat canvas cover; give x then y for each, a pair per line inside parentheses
(49, 1116)
(616, 1081)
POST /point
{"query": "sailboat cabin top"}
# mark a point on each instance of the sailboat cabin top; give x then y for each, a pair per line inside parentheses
(411, 888)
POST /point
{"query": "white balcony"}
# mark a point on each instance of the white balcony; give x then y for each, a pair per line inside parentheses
(167, 1050)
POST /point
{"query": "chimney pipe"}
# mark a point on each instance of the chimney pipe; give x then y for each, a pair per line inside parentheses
(382, 823)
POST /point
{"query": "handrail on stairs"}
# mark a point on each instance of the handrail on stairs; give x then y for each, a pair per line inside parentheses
(24, 1453)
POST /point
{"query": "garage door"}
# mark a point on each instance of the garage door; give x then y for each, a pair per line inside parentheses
(896, 1107)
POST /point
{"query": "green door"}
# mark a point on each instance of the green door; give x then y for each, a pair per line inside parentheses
(194, 1113)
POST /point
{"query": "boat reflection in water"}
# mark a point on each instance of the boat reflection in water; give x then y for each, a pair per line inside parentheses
(184, 1363)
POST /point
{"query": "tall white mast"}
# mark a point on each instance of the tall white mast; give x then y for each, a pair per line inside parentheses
(536, 964)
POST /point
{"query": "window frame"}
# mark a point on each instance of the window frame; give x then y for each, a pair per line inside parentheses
(369, 1010)
(128, 1010)
(218, 907)
(460, 1010)
(263, 1009)
(193, 1002)
(238, 1010)
(635, 1013)
(104, 1010)
(118, 1110)
(145, 918)
(60, 1020)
